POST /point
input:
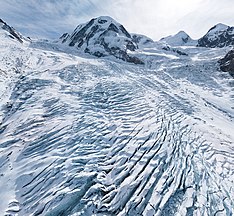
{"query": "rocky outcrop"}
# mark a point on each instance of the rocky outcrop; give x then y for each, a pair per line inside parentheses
(227, 63)
(177, 51)
(101, 37)
(218, 36)
(142, 40)
(64, 37)
(11, 31)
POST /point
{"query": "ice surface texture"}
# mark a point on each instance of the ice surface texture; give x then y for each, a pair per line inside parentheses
(87, 136)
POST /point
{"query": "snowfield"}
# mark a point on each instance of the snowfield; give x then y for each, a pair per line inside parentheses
(87, 136)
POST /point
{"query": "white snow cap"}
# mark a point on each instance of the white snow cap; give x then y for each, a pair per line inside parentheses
(179, 39)
(103, 21)
(216, 30)
(218, 27)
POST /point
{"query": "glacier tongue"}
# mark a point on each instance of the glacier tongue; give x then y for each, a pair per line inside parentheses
(96, 137)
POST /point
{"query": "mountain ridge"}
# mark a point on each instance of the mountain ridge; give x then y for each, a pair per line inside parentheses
(219, 35)
(103, 36)
(12, 32)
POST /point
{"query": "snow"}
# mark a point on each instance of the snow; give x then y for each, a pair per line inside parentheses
(97, 21)
(216, 30)
(87, 136)
(143, 41)
(103, 22)
(179, 39)
(218, 27)
(149, 52)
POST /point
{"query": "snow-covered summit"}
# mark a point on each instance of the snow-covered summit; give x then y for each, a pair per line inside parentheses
(179, 39)
(219, 35)
(217, 28)
(103, 36)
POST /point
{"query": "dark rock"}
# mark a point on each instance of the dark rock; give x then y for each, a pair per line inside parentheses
(218, 36)
(13, 33)
(113, 27)
(124, 31)
(141, 40)
(180, 52)
(102, 37)
(64, 37)
(79, 34)
(227, 63)
(102, 21)
(168, 48)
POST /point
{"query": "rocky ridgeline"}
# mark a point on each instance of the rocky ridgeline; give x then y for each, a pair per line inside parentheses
(12, 33)
(218, 36)
(102, 37)
(227, 63)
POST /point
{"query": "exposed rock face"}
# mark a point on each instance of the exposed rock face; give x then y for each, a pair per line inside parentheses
(101, 37)
(64, 37)
(179, 52)
(12, 32)
(179, 39)
(227, 63)
(142, 40)
(218, 36)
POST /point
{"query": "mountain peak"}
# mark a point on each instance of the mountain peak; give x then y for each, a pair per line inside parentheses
(97, 25)
(179, 39)
(103, 19)
(219, 35)
(218, 27)
(182, 33)
(103, 36)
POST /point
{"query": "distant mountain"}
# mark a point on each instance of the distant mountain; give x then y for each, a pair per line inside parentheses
(179, 39)
(101, 37)
(11, 32)
(142, 40)
(227, 63)
(218, 36)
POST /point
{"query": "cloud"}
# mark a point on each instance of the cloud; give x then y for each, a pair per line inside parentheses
(154, 18)
(159, 18)
(48, 18)
(208, 14)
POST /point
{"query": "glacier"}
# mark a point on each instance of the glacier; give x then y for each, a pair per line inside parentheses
(81, 135)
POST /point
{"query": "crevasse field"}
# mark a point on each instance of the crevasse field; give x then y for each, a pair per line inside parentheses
(87, 136)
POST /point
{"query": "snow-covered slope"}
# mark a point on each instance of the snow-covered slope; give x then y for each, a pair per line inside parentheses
(142, 41)
(179, 39)
(103, 36)
(218, 36)
(88, 136)
(13, 60)
(8, 31)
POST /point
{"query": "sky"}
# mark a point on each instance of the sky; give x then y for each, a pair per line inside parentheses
(154, 18)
